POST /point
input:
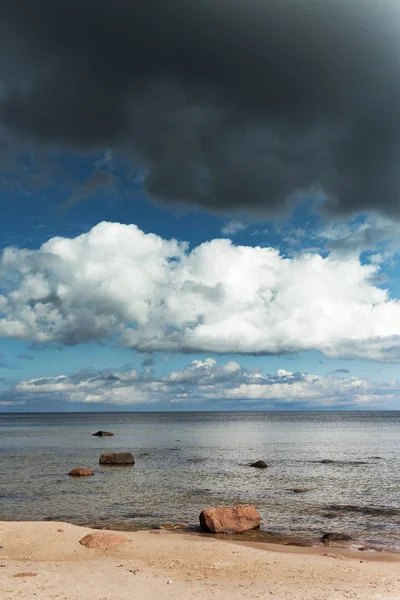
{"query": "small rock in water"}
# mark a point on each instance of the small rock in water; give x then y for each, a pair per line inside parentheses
(327, 461)
(117, 458)
(172, 526)
(259, 464)
(230, 519)
(103, 541)
(103, 433)
(81, 472)
(335, 537)
(299, 490)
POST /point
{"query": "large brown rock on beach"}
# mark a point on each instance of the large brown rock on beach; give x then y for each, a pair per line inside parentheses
(81, 472)
(117, 458)
(103, 541)
(230, 519)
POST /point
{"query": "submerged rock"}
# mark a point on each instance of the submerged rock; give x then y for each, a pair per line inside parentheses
(230, 519)
(117, 458)
(103, 541)
(299, 490)
(81, 472)
(103, 433)
(366, 510)
(259, 464)
(335, 537)
(326, 461)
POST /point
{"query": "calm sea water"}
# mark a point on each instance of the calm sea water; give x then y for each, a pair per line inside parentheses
(199, 460)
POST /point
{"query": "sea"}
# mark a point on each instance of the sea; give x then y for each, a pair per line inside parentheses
(188, 461)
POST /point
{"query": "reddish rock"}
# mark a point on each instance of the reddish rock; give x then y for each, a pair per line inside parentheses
(117, 458)
(81, 472)
(103, 541)
(27, 574)
(230, 519)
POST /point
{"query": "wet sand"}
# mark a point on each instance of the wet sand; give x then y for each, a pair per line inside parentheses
(162, 564)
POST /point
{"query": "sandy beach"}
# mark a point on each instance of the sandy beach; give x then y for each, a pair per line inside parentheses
(44, 560)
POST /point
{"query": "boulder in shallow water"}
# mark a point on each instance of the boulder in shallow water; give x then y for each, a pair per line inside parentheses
(259, 464)
(81, 472)
(230, 519)
(103, 433)
(326, 461)
(103, 541)
(335, 537)
(117, 458)
(299, 490)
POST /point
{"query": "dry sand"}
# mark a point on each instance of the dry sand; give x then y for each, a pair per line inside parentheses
(154, 565)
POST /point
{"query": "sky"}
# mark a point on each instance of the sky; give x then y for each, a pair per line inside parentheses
(199, 205)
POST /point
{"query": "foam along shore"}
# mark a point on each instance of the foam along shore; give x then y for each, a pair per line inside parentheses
(44, 561)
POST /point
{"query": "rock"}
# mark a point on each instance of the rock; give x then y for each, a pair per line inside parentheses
(117, 458)
(103, 541)
(366, 510)
(230, 519)
(81, 472)
(259, 464)
(27, 574)
(299, 490)
(335, 537)
(326, 461)
(103, 433)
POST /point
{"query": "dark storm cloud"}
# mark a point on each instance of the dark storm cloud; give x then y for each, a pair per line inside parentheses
(224, 104)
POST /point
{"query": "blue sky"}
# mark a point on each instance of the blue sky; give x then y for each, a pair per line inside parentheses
(189, 220)
(31, 217)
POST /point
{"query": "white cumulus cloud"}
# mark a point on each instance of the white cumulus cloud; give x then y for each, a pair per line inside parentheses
(153, 294)
(207, 383)
(233, 227)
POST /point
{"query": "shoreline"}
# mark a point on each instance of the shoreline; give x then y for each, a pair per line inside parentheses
(42, 560)
(255, 536)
